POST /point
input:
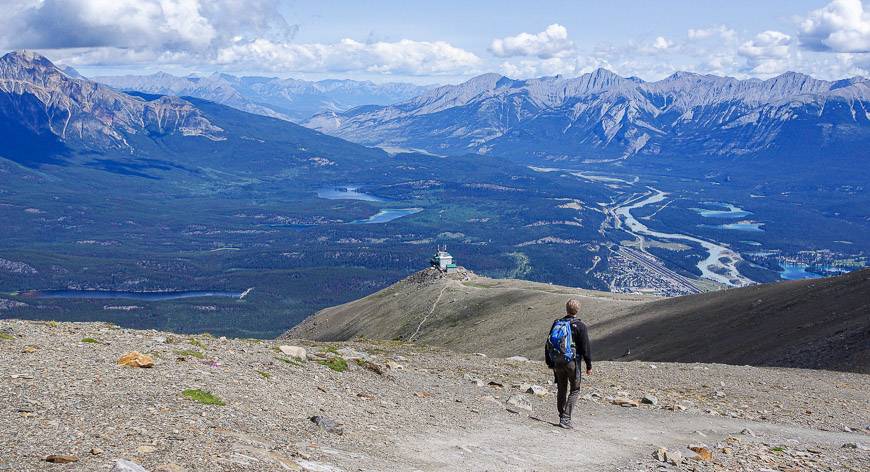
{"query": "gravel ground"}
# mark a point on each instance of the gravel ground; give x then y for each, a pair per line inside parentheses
(399, 407)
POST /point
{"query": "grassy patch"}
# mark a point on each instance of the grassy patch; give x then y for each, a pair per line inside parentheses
(264, 374)
(6, 336)
(91, 341)
(201, 396)
(294, 361)
(196, 343)
(53, 324)
(336, 363)
(777, 449)
(191, 353)
(332, 349)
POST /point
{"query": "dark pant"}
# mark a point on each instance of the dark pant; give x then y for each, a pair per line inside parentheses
(567, 375)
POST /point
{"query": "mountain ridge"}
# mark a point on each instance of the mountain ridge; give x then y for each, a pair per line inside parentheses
(288, 99)
(600, 114)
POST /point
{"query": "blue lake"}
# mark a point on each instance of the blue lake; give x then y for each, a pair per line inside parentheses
(727, 210)
(347, 193)
(796, 272)
(749, 226)
(387, 215)
(127, 295)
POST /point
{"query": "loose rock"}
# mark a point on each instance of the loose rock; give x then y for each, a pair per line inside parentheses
(328, 424)
(61, 459)
(122, 465)
(625, 402)
(136, 359)
(650, 400)
(294, 351)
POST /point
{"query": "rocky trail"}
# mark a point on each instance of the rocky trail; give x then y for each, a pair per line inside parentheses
(234, 404)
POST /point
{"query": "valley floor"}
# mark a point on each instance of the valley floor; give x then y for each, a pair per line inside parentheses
(401, 407)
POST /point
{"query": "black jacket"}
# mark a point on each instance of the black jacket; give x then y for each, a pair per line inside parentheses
(580, 337)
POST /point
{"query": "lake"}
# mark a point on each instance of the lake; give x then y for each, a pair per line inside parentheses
(387, 215)
(129, 295)
(729, 211)
(750, 226)
(796, 272)
(347, 193)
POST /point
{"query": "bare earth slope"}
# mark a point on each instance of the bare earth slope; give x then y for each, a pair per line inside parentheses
(820, 324)
(403, 407)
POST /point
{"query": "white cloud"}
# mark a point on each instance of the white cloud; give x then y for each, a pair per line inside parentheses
(720, 31)
(767, 53)
(662, 43)
(840, 26)
(400, 57)
(229, 33)
(552, 42)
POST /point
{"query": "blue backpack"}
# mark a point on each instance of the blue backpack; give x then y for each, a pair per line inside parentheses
(559, 343)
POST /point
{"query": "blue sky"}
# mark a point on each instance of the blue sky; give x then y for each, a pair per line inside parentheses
(445, 41)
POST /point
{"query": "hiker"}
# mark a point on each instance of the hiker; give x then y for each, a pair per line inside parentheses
(567, 345)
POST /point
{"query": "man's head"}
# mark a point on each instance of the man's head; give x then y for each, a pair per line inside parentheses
(572, 307)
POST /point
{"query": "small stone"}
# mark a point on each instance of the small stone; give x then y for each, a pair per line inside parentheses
(295, 352)
(146, 449)
(136, 359)
(61, 459)
(703, 452)
(170, 467)
(674, 457)
(327, 424)
(650, 400)
(122, 465)
(661, 454)
(479, 354)
(747, 432)
(537, 390)
(625, 402)
(850, 445)
(518, 359)
(519, 402)
(96, 451)
(394, 365)
(29, 349)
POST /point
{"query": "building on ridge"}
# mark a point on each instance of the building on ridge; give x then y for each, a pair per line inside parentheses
(443, 261)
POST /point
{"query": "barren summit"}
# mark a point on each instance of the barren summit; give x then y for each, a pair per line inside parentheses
(820, 324)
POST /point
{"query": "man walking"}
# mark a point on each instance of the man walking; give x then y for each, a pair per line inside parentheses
(567, 345)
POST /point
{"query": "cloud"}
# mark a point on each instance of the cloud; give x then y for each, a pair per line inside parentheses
(552, 42)
(228, 33)
(840, 26)
(400, 57)
(662, 43)
(767, 53)
(720, 31)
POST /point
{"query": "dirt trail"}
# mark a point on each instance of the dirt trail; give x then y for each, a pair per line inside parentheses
(413, 336)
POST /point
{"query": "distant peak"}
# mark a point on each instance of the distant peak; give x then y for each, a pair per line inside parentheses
(27, 56)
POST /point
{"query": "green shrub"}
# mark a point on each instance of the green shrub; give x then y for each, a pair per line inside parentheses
(6, 336)
(191, 353)
(294, 361)
(264, 374)
(196, 343)
(91, 341)
(336, 363)
(201, 396)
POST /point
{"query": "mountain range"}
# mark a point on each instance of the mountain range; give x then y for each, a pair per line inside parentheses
(50, 115)
(601, 115)
(289, 99)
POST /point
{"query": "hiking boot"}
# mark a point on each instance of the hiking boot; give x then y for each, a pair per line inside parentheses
(565, 423)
